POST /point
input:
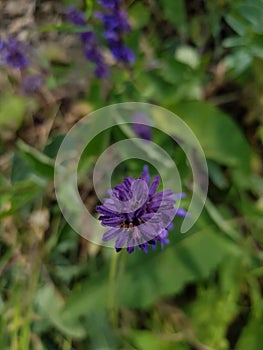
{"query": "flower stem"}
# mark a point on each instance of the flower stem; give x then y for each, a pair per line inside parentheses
(113, 309)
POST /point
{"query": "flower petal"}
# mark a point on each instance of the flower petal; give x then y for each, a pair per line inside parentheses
(121, 240)
(110, 234)
(154, 185)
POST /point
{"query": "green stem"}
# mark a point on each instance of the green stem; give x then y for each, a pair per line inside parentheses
(113, 310)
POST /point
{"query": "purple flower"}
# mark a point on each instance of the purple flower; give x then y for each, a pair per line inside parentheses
(31, 83)
(75, 16)
(109, 4)
(13, 53)
(89, 42)
(142, 130)
(136, 215)
(121, 52)
(1, 45)
(116, 24)
(93, 54)
(101, 70)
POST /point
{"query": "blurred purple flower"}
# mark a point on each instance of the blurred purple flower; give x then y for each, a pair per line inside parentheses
(142, 130)
(1, 45)
(93, 54)
(109, 4)
(121, 52)
(101, 70)
(75, 16)
(89, 42)
(32, 83)
(136, 215)
(116, 24)
(13, 53)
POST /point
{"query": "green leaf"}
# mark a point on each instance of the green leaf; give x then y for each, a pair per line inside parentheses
(220, 221)
(217, 175)
(252, 13)
(146, 340)
(175, 12)
(64, 28)
(252, 336)
(220, 138)
(41, 164)
(234, 41)
(17, 196)
(50, 304)
(52, 147)
(237, 23)
(238, 61)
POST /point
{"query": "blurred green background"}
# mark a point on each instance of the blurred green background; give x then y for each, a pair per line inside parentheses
(201, 59)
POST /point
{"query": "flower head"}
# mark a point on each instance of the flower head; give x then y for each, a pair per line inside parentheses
(136, 214)
(89, 41)
(13, 53)
(116, 24)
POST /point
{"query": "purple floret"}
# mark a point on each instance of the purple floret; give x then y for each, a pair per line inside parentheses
(121, 52)
(13, 53)
(116, 24)
(136, 214)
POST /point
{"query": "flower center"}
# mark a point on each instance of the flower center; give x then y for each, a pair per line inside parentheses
(127, 224)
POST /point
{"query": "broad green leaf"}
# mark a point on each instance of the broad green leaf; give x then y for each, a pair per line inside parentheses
(219, 136)
(51, 303)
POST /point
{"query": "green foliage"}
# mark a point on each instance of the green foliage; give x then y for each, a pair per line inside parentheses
(246, 20)
(202, 60)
